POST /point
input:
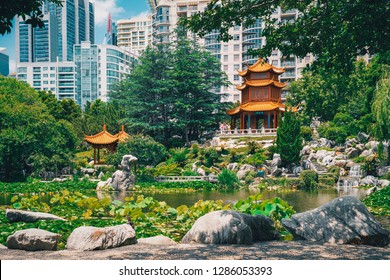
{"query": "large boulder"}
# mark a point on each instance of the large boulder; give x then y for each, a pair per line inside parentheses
(33, 239)
(14, 215)
(351, 142)
(367, 153)
(325, 143)
(352, 152)
(383, 183)
(244, 170)
(276, 161)
(362, 137)
(369, 180)
(233, 166)
(156, 240)
(276, 172)
(122, 179)
(2, 247)
(88, 238)
(306, 150)
(382, 170)
(345, 220)
(372, 145)
(201, 171)
(231, 227)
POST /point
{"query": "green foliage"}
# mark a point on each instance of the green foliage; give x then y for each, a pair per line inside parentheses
(31, 139)
(40, 187)
(228, 179)
(179, 155)
(306, 133)
(168, 95)
(381, 105)
(255, 159)
(168, 169)
(378, 203)
(370, 163)
(145, 148)
(211, 156)
(30, 11)
(250, 177)
(326, 29)
(234, 156)
(289, 141)
(308, 179)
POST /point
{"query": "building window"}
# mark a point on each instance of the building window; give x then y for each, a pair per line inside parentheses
(236, 37)
(236, 57)
(236, 66)
(225, 58)
(226, 68)
(236, 77)
(275, 62)
(237, 27)
(225, 48)
(236, 48)
(236, 97)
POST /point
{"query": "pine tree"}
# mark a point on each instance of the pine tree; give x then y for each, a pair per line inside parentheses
(289, 140)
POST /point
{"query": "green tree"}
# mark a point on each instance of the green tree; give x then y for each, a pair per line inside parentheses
(333, 31)
(29, 10)
(289, 140)
(31, 139)
(381, 108)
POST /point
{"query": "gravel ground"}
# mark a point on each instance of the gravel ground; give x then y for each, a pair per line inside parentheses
(276, 250)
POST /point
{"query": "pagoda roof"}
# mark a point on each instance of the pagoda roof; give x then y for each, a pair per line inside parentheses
(105, 138)
(122, 135)
(261, 83)
(259, 106)
(261, 66)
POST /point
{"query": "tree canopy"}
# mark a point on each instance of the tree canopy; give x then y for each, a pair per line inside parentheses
(29, 10)
(335, 32)
(169, 94)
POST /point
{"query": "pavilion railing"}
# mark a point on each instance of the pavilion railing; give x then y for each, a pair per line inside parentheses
(233, 132)
(185, 178)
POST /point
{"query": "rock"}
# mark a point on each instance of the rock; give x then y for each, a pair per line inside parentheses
(88, 238)
(345, 220)
(360, 147)
(328, 160)
(201, 171)
(382, 170)
(2, 247)
(122, 179)
(325, 143)
(215, 142)
(367, 153)
(372, 145)
(297, 170)
(14, 215)
(233, 166)
(88, 171)
(369, 180)
(157, 240)
(340, 149)
(340, 163)
(231, 227)
(244, 170)
(352, 152)
(276, 161)
(362, 137)
(350, 163)
(351, 142)
(276, 172)
(33, 239)
(383, 183)
(321, 154)
(101, 174)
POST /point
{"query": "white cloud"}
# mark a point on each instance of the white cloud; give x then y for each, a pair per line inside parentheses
(105, 7)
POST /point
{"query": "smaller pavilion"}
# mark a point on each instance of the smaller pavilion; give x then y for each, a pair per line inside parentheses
(104, 139)
(261, 103)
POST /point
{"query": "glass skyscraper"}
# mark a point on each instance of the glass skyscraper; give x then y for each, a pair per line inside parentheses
(64, 27)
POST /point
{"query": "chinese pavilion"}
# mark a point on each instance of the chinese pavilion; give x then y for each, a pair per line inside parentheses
(104, 139)
(260, 97)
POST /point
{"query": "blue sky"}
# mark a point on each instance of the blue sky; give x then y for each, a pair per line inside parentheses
(119, 9)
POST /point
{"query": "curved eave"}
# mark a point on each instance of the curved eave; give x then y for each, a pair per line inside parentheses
(259, 107)
(260, 84)
(122, 136)
(101, 138)
(261, 66)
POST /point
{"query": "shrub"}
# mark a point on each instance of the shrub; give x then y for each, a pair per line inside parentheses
(228, 179)
(179, 155)
(255, 159)
(167, 169)
(189, 172)
(270, 151)
(234, 156)
(250, 177)
(308, 179)
(195, 149)
(211, 156)
(306, 133)
(145, 148)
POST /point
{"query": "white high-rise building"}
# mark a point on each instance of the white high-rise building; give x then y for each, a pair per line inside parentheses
(134, 34)
(57, 77)
(233, 54)
(98, 68)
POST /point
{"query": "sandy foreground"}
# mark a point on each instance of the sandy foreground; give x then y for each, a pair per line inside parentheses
(275, 250)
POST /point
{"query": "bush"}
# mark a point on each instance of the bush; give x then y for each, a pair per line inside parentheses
(306, 133)
(195, 150)
(145, 148)
(308, 179)
(179, 155)
(255, 159)
(250, 177)
(167, 169)
(210, 156)
(270, 151)
(228, 179)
